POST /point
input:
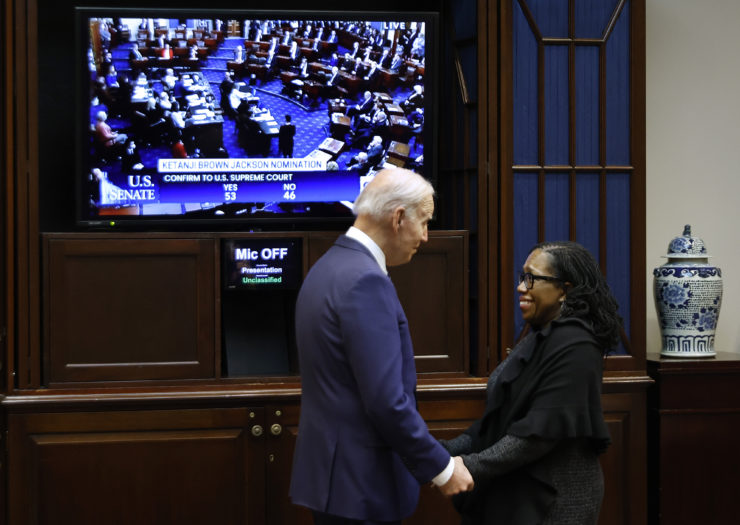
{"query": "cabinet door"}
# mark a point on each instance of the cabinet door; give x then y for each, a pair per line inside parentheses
(433, 290)
(143, 467)
(446, 419)
(282, 430)
(123, 309)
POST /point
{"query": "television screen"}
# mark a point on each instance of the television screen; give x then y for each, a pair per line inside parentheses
(247, 116)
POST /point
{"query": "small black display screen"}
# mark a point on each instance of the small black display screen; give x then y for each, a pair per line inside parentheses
(264, 263)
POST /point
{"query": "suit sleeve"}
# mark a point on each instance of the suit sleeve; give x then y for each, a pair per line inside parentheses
(371, 331)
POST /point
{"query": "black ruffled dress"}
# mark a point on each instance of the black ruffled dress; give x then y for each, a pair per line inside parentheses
(534, 452)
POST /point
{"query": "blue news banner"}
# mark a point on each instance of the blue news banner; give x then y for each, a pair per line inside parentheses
(235, 180)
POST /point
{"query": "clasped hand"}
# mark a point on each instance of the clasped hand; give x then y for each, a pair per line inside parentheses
(460, 481)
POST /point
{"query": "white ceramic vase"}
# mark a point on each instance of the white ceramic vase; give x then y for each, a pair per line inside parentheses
(688, 297)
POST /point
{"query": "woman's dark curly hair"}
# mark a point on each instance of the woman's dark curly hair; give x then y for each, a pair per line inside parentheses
(588, 297)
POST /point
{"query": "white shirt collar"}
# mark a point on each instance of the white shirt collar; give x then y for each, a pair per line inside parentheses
(364, 239)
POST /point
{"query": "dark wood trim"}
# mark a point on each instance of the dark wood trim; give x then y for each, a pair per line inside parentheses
(530, 19)
(622, 363)
(466, 111)
(555, 41)
(506, 178)
(10, 83)
(488, 174)
(218, 312)
(157, 396)
(25, 189)
(32, 209)
(583, 169)
(7, 267)
(613, 20)
(637, 195)
(462, 83)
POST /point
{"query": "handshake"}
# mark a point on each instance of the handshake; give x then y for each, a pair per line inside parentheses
(460, 481)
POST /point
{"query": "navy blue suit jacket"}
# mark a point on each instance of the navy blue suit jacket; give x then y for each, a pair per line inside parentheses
(362, 449)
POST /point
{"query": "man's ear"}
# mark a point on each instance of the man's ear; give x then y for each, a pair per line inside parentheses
(398, 215)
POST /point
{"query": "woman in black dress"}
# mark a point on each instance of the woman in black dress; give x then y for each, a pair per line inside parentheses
(534, 452)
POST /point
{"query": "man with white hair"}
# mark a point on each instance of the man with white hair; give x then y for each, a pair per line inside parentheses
(363, 450)
(361, 108)
(414, 100)
(375, 150)
(359, 163)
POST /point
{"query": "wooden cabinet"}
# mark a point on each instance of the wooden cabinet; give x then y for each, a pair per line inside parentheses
(132, 308)
(75, 459)
(141, 425)
(127, 314)
(225, 456)
(433, 291)
(446, 418)
(151, 306)
(142, 466)
(168, 457)
(693, 424)
(282, 430)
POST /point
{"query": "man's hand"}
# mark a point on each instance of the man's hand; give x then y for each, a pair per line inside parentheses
(461, 480)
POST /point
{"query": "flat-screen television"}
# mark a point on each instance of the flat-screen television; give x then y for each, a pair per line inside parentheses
(244, 116)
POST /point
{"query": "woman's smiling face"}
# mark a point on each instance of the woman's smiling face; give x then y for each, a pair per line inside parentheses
(541, 303)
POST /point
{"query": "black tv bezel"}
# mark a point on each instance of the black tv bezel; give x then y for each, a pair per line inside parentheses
(288, 222)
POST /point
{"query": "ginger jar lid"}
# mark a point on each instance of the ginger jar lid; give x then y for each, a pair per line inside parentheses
(686, 246)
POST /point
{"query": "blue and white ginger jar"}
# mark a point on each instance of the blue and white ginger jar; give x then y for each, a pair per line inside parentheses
(688, 296)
